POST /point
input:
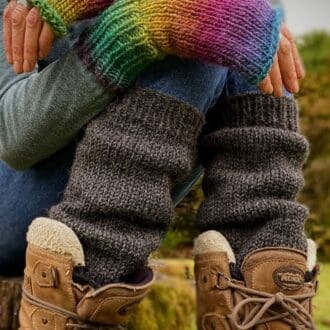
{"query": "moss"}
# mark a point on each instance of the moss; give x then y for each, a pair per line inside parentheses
(322, 300)
(170, 305)
(144, 318)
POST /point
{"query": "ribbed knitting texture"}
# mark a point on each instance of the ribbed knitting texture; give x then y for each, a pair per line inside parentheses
(60, 13)
(118, 48)
(239, 34)
(253, 162)
(118, 198)
(131, 34)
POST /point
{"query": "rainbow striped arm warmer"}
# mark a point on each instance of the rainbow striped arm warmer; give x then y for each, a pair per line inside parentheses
(131, 34)
(60, 13)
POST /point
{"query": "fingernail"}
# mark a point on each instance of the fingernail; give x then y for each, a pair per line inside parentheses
(26, 66)
(278, 93)
(295, 88)
(270, 90)
(16, 67)
(9, 58)
(41, 55)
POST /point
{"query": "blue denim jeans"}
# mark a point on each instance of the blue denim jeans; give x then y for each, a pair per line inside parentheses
(30, 193)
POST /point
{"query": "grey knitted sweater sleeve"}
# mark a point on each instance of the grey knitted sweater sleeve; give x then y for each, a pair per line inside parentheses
(42, 112)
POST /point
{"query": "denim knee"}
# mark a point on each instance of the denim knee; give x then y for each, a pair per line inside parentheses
(196, 83)
(237, 85)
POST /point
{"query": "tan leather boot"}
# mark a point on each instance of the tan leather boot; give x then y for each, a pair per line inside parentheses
(274, 295)
(51, 300)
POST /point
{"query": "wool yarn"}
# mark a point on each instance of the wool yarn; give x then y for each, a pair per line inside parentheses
(131, 34)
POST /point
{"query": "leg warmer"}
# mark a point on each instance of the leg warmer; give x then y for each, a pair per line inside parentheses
(118, 197)
(253, 162)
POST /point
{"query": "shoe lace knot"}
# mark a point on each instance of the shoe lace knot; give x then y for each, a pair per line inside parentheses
(259, 307)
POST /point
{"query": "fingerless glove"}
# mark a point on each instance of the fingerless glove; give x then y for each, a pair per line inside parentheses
(60, 13)
(129, 35)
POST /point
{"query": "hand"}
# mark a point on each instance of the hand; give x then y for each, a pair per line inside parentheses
(287, 68)
(26, 37)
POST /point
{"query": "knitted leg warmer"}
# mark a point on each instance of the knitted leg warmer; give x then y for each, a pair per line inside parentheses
(253, 164)
(118, 197)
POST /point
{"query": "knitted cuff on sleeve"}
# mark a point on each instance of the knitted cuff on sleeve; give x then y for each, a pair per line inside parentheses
(59, 13)
(117, 48)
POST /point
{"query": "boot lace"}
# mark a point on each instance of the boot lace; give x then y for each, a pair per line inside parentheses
(291, 310)
(75, 322)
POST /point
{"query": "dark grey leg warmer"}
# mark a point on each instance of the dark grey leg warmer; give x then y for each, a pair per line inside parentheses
(253, 163)
(118, 198)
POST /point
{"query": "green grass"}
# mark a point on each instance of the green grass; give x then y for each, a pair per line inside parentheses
(322, 300)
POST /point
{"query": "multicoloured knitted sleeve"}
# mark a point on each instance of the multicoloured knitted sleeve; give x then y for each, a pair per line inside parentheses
(60, 13)
(131, 34)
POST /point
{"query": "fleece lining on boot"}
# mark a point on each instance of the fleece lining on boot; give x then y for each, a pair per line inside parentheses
(55, 236)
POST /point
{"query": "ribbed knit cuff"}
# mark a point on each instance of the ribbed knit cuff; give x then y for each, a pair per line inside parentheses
(50, 15)
(259, 110)
(259, 66)
(117, 48)
(60, 13)
(158, 111)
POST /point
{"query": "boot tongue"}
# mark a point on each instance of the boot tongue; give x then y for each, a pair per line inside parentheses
(275, 270)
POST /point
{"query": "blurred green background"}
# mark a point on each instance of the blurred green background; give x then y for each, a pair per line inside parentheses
(174, 306)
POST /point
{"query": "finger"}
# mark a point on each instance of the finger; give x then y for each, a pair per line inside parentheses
(31, 43)
(276, 78)
(18, 29)
(45, 41)
(287, 66)
(300, 70)
(266, 85)
(7, 31)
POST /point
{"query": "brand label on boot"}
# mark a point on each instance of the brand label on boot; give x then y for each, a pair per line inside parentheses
(289, 278)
